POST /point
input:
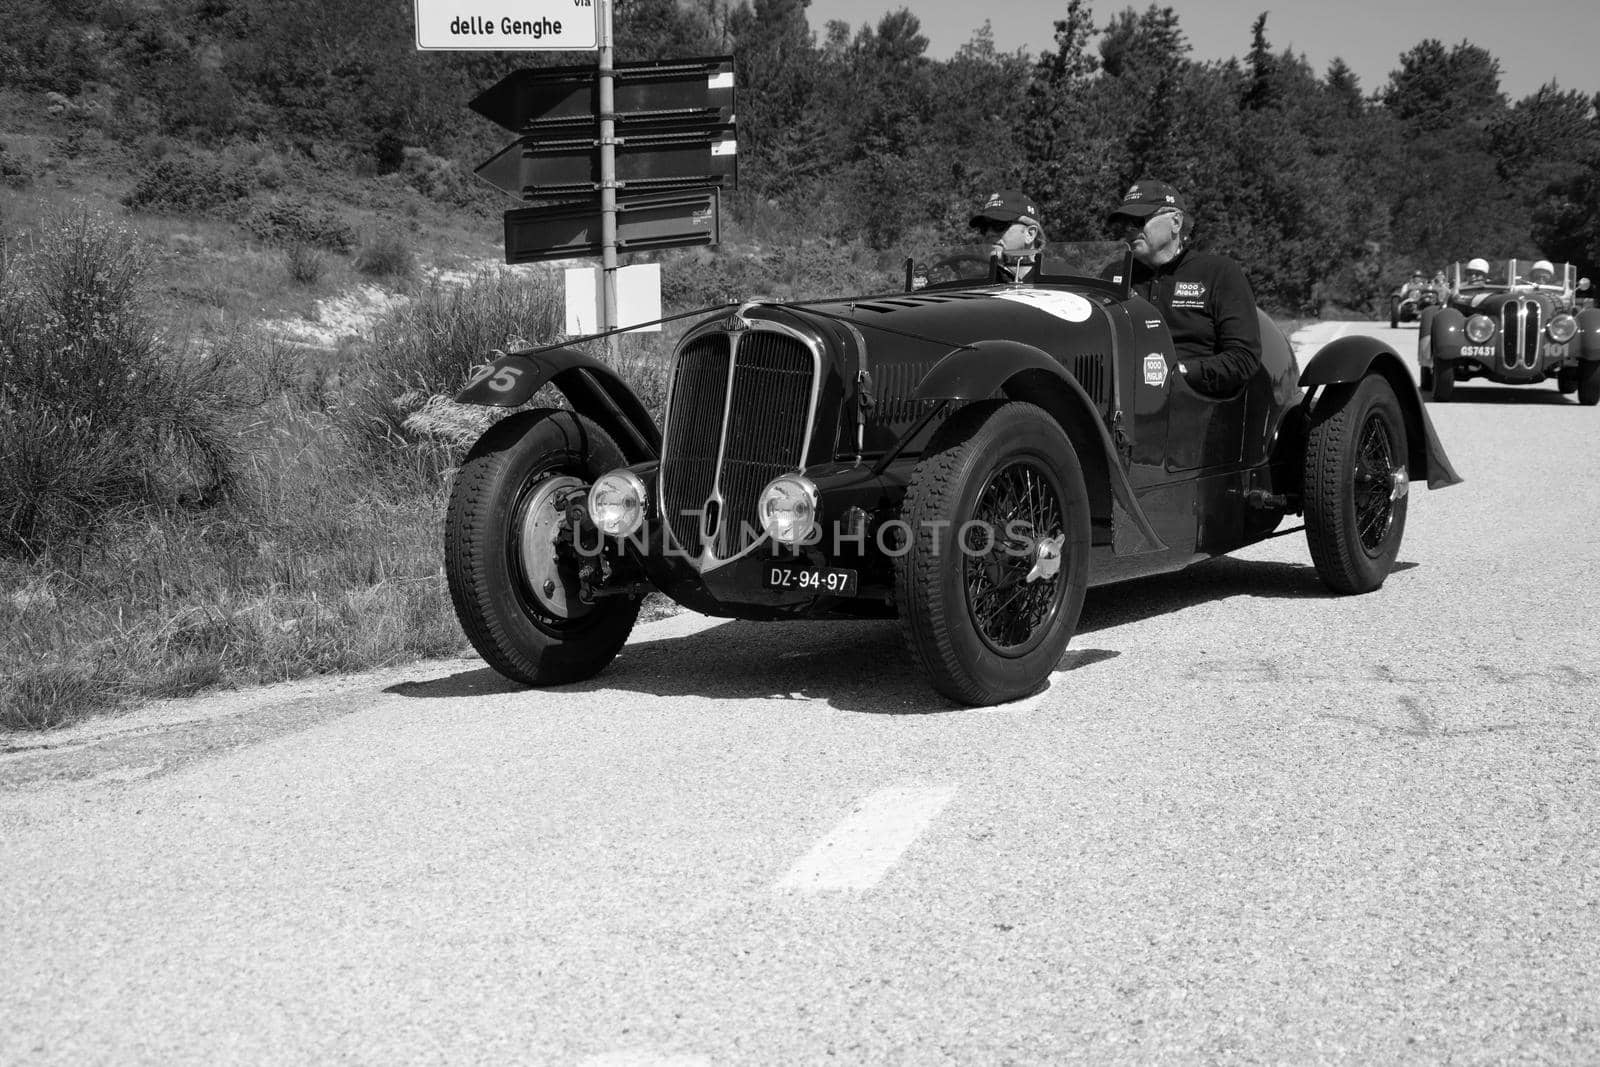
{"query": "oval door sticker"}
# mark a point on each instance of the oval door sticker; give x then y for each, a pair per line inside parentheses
(1155, 369)
(1068, 306)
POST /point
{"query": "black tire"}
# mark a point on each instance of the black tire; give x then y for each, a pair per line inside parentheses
(1425, 379)
(991, 459)
(1567, 380)
(518, 607)
(1589, 383)
(1394, 314)
(1444, 379)
(1355, 465)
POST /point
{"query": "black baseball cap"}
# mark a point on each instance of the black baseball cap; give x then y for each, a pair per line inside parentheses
(1008, 205)
(1144, 198)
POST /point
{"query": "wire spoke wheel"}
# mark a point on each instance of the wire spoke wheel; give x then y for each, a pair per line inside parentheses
(992, 582)
(1017, 517)
(1374, 485)
(1356, 484)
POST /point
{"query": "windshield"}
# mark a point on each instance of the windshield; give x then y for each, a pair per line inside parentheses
(1518, 273)
(1100, 262)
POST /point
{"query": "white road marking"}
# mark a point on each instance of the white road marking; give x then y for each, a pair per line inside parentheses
(862, 848)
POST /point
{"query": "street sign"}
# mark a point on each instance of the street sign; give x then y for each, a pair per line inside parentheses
(696, 90)
(508, 25)
(644, 222)
(638, 299)
(650, 157)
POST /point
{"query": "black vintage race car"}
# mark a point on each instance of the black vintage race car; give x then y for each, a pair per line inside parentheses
(1517, 324)
(965, 453)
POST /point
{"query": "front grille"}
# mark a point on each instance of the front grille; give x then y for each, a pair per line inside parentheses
(724, 445)
(1519, 328)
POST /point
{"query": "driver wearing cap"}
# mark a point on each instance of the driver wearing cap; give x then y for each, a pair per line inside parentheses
(1204, 298)
(1009, 222)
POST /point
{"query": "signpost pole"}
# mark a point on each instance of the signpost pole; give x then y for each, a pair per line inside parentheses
(608, 180)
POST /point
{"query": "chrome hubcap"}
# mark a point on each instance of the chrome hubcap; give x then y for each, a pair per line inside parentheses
(537, 525)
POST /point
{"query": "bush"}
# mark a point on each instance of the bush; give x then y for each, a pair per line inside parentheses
(305, 263)
(97, 417)
(290, 220)
(385, 254)
(425, 350)
(195, 182)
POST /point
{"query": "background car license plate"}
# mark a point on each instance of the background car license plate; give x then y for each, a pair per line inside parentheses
(1477, 350)
(832, 581)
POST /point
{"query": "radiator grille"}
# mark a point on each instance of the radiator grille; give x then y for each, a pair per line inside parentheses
(741, 439)
(1519, 329)
(693, 435)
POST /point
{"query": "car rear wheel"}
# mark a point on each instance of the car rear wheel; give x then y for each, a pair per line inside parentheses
(1394, 314)
(1356, 484)
(992, 576)
(514, 587)
(1589, 383)
(1444, 379)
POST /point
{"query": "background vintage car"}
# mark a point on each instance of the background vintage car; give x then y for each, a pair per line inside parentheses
(1511, 331)
(971, 454)
(1410, 298)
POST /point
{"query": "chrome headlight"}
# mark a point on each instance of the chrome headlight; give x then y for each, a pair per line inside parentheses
(1562, 328)
(789, 509)
(1479, 329)
(617, 503)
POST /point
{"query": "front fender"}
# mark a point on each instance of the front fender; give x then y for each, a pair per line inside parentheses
(592, 388)
(1022, 372)
(1589, 334)
(1349, 359)
(1448, 333)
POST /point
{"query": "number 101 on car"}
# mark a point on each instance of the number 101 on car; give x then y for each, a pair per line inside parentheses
(836, 582)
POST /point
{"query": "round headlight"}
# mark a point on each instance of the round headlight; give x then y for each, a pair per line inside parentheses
(1563, 328)
(616, 503)
(1480, 328)
(789, 509)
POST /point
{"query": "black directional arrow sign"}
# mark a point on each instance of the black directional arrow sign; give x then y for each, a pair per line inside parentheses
(648, 157)
(698, 90)
(644, 221)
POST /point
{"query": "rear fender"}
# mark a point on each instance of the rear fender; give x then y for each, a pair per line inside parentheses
(1347, 360)
(1022, 372)
(1589, 334)
(592, 388)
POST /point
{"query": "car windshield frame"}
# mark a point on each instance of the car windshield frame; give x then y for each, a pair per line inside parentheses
(1103, 265)
(1506, 275)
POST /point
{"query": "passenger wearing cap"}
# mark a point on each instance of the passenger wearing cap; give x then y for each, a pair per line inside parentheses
(1205, 298)
(1009, 222)
(1477, 273)
(1542, 273)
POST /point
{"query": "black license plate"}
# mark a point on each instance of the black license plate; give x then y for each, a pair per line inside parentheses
(829, 581)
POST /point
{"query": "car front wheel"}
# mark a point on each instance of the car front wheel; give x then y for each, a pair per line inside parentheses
(513, 581)
(1589, 383)
(1444, 379)
(991, 578)
(1356, 484)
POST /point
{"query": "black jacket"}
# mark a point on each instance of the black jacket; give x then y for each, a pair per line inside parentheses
(1211, 312)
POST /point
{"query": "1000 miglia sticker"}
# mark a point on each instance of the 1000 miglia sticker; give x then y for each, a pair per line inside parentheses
(1068, 306)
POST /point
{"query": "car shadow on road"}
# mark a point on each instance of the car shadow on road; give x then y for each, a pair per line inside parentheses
(1542, 393)
(864, 666)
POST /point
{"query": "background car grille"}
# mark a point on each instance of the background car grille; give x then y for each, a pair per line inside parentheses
(767, 428)
(1520, 326)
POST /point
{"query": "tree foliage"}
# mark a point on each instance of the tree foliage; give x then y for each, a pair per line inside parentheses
(1325, 190)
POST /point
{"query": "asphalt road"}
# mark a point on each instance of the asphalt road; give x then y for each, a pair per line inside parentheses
(1248, 822)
